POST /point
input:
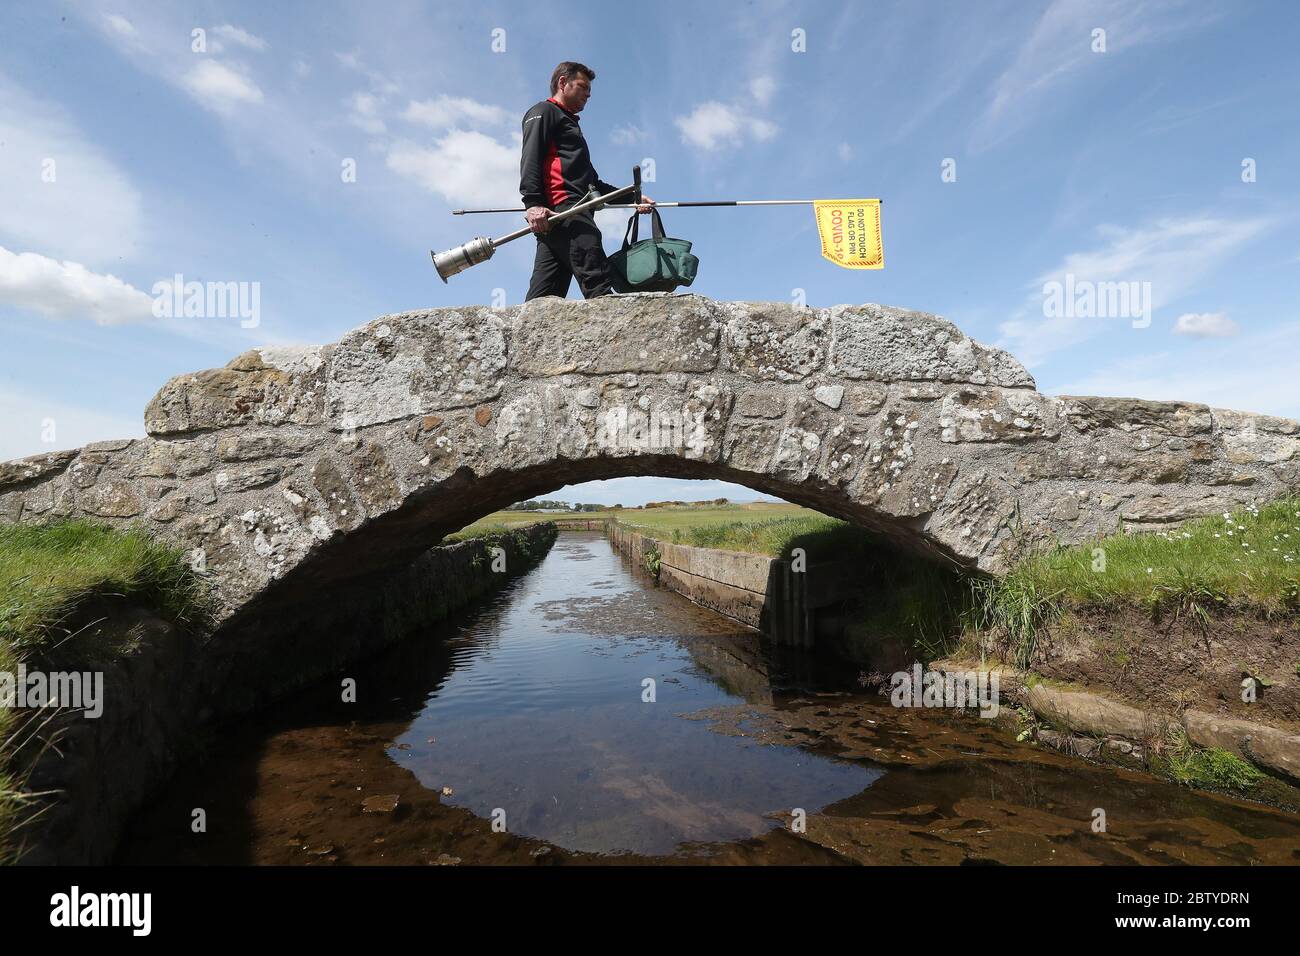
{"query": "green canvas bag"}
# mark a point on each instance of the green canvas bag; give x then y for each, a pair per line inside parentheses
(658, 264)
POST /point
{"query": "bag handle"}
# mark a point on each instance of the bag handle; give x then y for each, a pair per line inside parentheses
(633, 229)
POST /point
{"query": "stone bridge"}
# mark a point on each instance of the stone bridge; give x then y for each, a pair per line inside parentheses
(294, 471)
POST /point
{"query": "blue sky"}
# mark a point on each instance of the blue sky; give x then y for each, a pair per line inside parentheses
(225, 165)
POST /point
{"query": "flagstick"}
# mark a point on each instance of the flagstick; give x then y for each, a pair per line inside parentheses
(672, 205)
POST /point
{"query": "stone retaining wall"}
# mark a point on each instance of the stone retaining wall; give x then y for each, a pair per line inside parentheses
(757, 590)
(1087, 723)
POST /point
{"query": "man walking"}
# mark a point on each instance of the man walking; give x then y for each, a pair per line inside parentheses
(555, 173)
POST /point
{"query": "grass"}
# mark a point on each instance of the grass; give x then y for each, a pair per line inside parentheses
(694, 521)
(489, 531)
(659, 519)
(1206, 769)
(47, 574)
(773, 531)
(11, 783)
(919, 602)
(653, 561)
(49, 571)
(500, 521)
(776, 537)
(1247, 560)
(494, 534)
(485, 529)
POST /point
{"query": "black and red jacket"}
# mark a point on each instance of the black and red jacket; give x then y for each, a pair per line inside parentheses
(555, 168)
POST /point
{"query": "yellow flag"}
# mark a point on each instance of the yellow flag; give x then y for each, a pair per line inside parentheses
(850, 232)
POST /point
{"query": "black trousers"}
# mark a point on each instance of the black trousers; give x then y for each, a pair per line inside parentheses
(570, 248)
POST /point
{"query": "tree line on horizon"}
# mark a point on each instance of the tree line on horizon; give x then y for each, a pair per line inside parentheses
(546, 504)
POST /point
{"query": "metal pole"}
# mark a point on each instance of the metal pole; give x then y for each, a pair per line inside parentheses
(559, 216)
(670, 205)
(480, 250)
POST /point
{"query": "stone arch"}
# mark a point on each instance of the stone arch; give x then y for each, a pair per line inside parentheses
(292, 469)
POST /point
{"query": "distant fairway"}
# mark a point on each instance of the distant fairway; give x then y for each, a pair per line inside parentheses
(664, 520)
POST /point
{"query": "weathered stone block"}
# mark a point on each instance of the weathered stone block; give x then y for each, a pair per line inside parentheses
(892, 345)
(757, 404)
(771, 341)
(1269, 747)
(244, 446)
(1184, 419)
(251, 389)
(416, 363)
(110, 499)
(992, 415)
(552, 336)
(20, 472)
(231, 482)
(1092, 714)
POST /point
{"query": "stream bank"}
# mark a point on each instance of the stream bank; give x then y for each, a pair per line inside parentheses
(1131, 686)
(168, 688)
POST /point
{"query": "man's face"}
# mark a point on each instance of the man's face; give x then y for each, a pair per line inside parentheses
(576, 92)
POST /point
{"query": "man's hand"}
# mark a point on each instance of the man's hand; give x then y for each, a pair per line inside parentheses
(646, 203)
(539, 219)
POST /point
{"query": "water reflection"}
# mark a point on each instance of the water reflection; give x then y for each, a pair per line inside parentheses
(546, 716)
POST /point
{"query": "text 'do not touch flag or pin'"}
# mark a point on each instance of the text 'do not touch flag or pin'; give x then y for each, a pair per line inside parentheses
(850, 232)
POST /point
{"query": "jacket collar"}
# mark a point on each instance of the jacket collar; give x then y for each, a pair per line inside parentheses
(552, 99)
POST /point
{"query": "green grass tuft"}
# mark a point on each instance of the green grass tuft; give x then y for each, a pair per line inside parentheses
(1207, 769)
(653, 561)
(820, 537)
(493, 531)
(47, 573)
(1248, 560)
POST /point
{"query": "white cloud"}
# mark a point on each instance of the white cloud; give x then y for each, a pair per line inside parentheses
(637, 491)
(121, 24)
(378, 82)
(627, 135)
(1203, 325)
(1060, 44)
(762, 88)
(447, 112)
(845, 152)
(1173, 255)
(89, 212)
(714, 124)
(240, 37)
(612, 224)
(464, 167)
(68, 290)
(28, 419)
(286, 124)
(220, 87)
(364, 112)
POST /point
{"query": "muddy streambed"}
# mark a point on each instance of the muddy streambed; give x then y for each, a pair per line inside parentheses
(582, 715)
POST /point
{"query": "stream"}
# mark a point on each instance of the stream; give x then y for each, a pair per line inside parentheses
(581, 714)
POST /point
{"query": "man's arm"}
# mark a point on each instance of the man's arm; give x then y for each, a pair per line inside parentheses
(604, 187)
(537, 135)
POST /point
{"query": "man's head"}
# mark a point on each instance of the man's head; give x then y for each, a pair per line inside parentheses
(571, 85)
